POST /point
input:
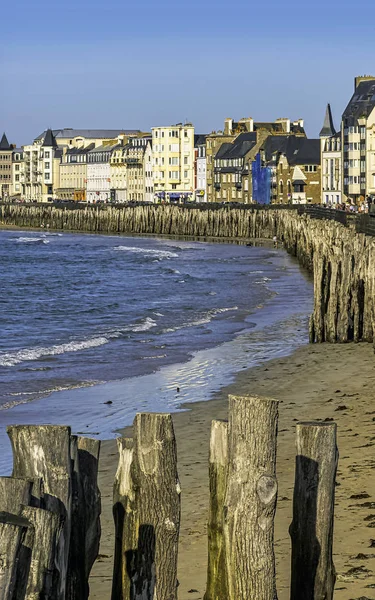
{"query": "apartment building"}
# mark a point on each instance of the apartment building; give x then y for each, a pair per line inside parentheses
(331, 161)
(200, 168)
(73, 173)
(173, 162)
(98, 185)
(137, 154)
(42, 169)
(17, 173)
(81, 138)
(5, 169)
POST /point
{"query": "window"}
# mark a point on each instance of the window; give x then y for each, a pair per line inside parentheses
(185, 174)
(174, 175)
(46, 165)
(173, 160)
(186, 134)
(47, 175)
(186, 158)
(155, 134)
(173, 148)
(17, 177)
(46, 155)
(17, 167)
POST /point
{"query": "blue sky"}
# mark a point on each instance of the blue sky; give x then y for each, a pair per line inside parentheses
(135, 64)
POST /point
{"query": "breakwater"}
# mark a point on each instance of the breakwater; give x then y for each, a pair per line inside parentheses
(340, 259)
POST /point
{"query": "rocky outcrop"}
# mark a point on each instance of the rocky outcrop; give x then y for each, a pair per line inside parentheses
(339, 257)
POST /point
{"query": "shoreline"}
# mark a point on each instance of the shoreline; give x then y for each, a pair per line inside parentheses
(316, 382)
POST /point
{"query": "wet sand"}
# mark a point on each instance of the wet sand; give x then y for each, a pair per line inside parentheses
(316, 382)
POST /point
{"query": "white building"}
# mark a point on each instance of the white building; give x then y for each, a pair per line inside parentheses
(173, 165)
(17, 173)
(200, 169)
(99, 173)
(42, 168)
(148, 173)
(331, 161)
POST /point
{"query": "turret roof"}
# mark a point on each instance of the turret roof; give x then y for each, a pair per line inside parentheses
(4, 144)
(49, 139)
(328, 128)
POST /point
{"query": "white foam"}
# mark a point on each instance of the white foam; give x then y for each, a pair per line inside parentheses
(203, 321)
(10, 359)
(27, 240)
(147, 251)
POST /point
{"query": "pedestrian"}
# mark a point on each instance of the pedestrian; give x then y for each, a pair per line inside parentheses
(275, 241)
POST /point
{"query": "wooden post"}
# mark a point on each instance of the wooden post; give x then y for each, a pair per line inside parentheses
(152, 499)
(14, 492)
(40, 545)
(12, 533)
(86, 508)
(313, 573)
(123, 508)
(43, 451)
(250, 501)
(217, 586)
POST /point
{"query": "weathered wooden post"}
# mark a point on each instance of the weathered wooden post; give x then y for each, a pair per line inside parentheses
(43, 451)
(217, 586)
(14, 492)
(123, 496)
(86, 508)
(40, 545)
(250, 501)
(150, 494)
(12, 533)
(313, 573)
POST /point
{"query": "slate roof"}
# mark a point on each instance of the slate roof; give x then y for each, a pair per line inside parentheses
(49, 139)
(80, 150)
(362, 102)
(199, 139)
(239, 147)
(328, 129)
(4, 144)
(89, 133)
(273, 144)
(302, 151)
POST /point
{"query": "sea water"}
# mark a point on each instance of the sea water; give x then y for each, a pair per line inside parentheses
(89, 319)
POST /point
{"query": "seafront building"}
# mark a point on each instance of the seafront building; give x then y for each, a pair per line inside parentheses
(173, 162)
(331, 161)
(200, 168)
(42, 168)
(98, 184)
(5, 168)
(73, 174)
(298, 172)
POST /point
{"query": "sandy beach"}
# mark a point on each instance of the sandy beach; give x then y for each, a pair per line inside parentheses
(316, 382)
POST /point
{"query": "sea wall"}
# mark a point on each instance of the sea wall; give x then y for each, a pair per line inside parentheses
(340, 258)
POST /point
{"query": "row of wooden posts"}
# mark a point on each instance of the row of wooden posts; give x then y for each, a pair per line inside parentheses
(50, 510)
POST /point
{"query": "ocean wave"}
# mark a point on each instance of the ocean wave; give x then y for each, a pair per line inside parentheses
(10, 359)
(147, 251)
(43, 393)
(28, 240)
(207, 318)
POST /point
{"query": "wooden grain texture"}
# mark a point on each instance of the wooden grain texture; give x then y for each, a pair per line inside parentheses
(313, 573)
(250, 501)
(217, 584)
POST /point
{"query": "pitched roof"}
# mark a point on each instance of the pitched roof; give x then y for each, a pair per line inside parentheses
(362, 102)
(49, 139)
(4, 144)
(275, 143)
(328, 128)
(239, 147)
(302, 151)
(104, 134)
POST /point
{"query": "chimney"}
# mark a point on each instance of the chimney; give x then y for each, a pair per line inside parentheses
(228, 126)
(249, 123)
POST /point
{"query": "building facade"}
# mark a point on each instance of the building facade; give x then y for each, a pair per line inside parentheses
(298, 172)
(200, 169)
(42, 169)
(331, 161)
(5, 169)
(98, 187)
(17, 173)
(173, 164)
(73, 174)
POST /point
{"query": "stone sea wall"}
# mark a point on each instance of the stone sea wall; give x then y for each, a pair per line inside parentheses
(340, 258)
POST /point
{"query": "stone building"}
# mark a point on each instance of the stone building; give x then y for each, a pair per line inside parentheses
(331, 161)
(5, 169)
(173, 164)
(298, 172)
(42, 169)
(232, 131)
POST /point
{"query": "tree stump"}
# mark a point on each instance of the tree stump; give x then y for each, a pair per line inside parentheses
(311, 531)
(250, 501)
(217, 585)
